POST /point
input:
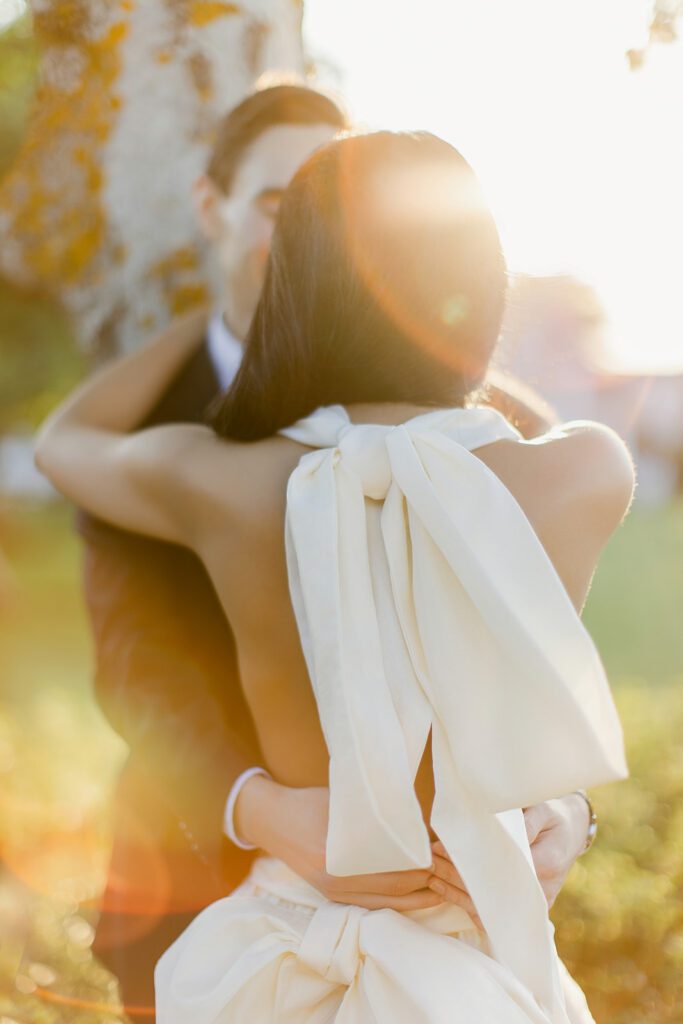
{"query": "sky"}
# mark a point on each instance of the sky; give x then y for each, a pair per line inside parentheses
(581, 158)
(9, 10)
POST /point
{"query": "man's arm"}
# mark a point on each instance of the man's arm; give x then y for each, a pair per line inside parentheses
(291, 824)
(166, 677)
(265, 811)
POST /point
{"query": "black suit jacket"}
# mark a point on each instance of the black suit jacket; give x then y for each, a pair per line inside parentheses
(166, 671)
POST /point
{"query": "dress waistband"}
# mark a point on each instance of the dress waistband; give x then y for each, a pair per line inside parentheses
(273, 880)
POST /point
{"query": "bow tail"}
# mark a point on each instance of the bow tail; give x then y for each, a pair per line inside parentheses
(502, 580)
(496, 869)
(506, 726)
(375, 820)
(489, 852)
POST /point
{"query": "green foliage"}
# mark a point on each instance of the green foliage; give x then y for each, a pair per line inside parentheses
(39, 359)
(619, 918)
(18, 74)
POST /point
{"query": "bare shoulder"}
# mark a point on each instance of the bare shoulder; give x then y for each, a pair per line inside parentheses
(212, 487)
(171, 450)
(580, 463)
(592, 469)
(575, 485)
(222, 481)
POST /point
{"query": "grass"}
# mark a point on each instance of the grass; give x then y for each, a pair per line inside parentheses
(634, 607)
(619, 919)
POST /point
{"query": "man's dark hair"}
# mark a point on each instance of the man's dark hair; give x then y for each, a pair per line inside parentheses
(385, 283)
(261, 110)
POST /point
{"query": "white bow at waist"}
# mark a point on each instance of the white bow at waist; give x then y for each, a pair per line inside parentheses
(278, 951)
(425, 600)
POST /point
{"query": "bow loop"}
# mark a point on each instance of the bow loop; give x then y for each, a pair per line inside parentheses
(331, 945)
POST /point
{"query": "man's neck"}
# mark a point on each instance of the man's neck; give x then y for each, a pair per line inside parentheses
(225, 351)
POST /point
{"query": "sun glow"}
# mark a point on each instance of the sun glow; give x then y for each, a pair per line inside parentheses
(10, 10)
(581, 158)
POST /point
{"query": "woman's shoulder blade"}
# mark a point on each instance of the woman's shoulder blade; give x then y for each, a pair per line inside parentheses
(596, 464)
(574, 485)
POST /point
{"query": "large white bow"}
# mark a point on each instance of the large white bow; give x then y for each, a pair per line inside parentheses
(425, 600)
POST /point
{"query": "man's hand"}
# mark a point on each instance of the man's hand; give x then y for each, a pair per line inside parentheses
(557, 832)
(291, 824)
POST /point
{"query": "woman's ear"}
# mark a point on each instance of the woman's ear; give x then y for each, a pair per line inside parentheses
(207, 197)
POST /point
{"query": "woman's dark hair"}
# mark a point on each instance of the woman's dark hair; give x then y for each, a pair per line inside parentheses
(385, 283)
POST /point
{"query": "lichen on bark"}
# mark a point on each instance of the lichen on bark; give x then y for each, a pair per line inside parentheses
(95, 209)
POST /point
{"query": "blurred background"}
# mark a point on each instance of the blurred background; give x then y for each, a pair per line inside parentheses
(570, 112)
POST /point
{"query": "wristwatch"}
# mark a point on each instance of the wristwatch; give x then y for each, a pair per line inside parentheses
(593, 822)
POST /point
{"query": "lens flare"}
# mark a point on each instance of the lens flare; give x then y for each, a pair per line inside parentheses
(424, 245)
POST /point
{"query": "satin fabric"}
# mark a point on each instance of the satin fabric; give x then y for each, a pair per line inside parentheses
(424, 600)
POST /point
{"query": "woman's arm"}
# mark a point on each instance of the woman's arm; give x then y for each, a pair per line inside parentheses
(136, 481)
(118, 397)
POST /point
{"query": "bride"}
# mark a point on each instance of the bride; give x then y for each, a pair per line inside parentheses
(404, 576)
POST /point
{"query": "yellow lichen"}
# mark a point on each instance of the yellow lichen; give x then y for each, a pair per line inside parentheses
(187, 297)
(180, 275)
(52, 195)
(181, 259)
(57, 215)
(202, 12)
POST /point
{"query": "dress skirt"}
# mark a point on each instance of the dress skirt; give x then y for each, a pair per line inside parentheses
(278, 952)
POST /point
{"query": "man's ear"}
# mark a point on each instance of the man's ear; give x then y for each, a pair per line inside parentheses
(207, 198)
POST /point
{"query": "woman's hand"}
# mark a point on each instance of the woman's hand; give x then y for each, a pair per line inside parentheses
(291, 824)
(448, 883)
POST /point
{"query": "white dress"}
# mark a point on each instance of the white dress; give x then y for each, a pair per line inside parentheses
(424, 600)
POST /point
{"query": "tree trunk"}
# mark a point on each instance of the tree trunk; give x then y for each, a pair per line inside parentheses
(96, 209)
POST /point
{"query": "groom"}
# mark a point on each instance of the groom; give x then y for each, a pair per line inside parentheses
(192, 797)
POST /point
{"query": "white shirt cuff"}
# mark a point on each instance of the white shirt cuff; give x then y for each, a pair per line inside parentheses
(229, 816)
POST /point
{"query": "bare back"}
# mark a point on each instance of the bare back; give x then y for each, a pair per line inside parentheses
(573, 487)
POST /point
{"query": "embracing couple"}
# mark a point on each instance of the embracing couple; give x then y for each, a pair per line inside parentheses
(404, 709)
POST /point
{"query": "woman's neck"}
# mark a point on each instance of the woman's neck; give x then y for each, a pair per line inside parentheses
(386, 413)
